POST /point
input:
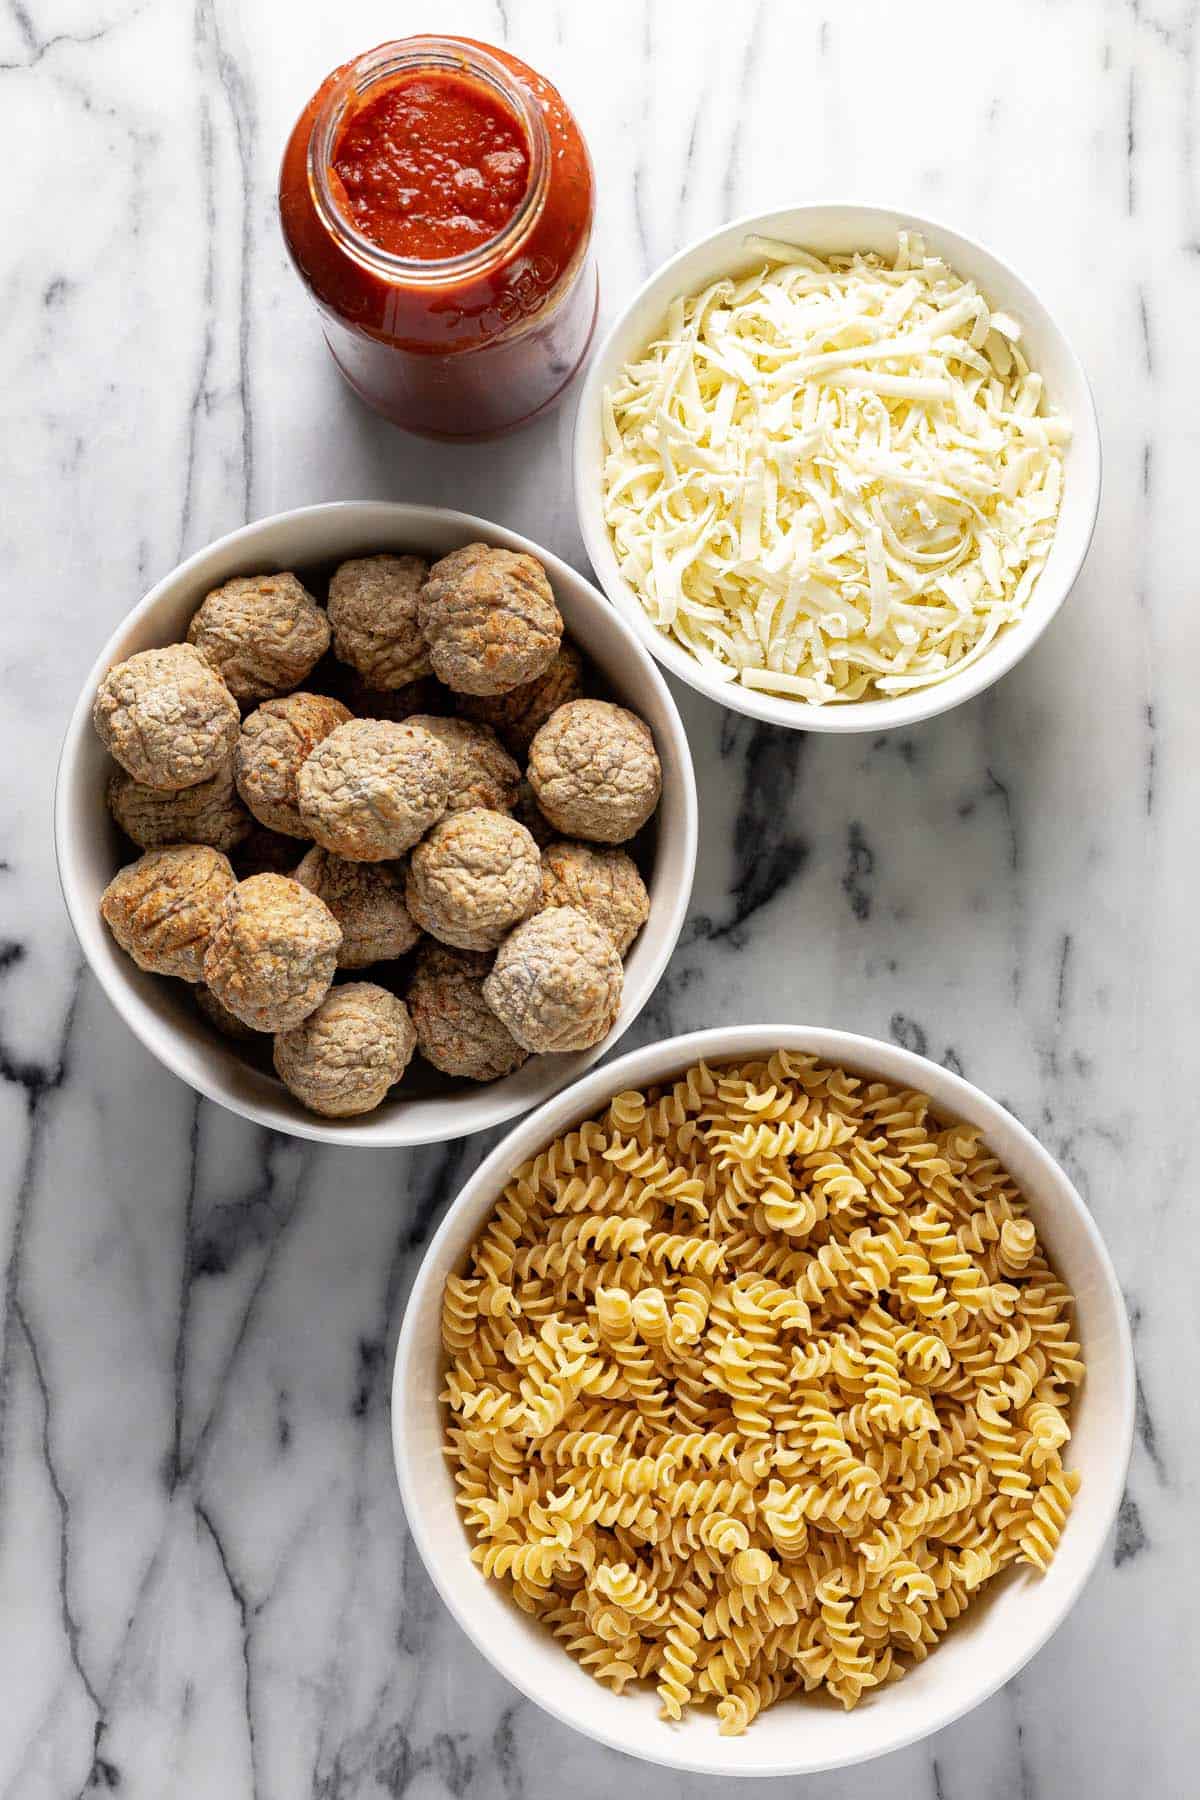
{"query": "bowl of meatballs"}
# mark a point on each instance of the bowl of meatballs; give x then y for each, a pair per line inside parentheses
(376, 823)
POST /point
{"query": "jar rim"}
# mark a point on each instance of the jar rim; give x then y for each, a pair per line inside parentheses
(385, 63)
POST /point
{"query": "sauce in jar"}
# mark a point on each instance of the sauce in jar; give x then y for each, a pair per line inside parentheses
(436, 197)
(432, 166)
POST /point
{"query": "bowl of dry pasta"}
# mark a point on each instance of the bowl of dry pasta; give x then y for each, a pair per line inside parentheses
(763, 1367)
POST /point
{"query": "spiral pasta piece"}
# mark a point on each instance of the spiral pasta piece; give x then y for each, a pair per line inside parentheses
(1039, 1539)
(677, 1670)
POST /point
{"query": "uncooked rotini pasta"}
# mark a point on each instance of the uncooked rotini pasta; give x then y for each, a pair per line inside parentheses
(754, 1381)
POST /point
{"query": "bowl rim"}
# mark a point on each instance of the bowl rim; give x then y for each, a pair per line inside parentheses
(654, 1062)
(895, 712)
(162, 1045)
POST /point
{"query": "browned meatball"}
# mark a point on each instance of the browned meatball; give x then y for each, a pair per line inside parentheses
(167, 717)
(595, 772)
(367, 900)
(371, 789)
(517, 716)
(482, 773)
(163, 908)
(275, 739)
(600, 881)
(273, 953)
(556, 983)
(373, 612)
(489, 619)
(344, 1057)
(457, 1031)
(473, 878)
(208, 812)
(264, 633)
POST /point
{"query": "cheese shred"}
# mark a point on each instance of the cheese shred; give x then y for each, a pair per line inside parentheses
(836, 480)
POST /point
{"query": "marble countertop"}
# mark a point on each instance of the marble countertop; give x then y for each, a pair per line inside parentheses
(206, 1588)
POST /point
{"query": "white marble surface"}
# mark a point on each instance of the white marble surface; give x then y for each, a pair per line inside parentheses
(205, 1584)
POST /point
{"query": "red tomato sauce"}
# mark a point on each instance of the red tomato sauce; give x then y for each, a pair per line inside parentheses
(487, 312)
(432, 167)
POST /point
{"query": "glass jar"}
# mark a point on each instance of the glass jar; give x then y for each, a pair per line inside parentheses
(464, 345)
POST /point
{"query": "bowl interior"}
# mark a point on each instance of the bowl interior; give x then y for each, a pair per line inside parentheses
(162, 1013)
(825, 230)
(995, 1636)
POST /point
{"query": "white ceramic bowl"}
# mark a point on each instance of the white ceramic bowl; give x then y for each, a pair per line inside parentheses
(825, 229)
(162, 1014)
(995, 1637)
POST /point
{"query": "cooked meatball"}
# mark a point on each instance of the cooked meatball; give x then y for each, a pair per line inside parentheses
(367, 900)
(264, 633)
(371, 789)
(457, 1031)
(482, 773)
(556, 983)
(595, 772)
(373, 613)
(167, 717)
(517, 716)
(273, 953)
(208, 812)
(489, 619)
(600, 881)
(265, 852)
(275, 739)
(222, 1019)
(163, 908)
(473, 878)
(346, 1055)
(528, 813)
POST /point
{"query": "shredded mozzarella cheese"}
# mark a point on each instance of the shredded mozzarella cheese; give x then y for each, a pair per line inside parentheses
(833, 479)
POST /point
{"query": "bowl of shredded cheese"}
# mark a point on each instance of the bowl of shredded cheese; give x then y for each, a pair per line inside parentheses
(838, 465)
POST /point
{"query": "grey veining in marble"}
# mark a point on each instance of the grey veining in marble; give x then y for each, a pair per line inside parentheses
(206, 1588)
